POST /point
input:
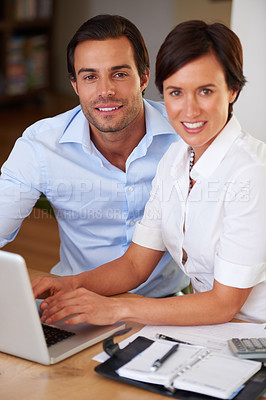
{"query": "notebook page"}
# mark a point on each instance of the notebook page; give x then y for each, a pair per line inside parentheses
(139, 367)
(218, 375)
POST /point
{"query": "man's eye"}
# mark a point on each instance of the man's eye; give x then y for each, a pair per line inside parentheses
(120, 75)
(89, 77)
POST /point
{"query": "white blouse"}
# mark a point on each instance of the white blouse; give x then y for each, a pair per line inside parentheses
(221, 223)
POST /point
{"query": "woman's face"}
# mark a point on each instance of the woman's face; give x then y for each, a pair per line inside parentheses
(197, 100)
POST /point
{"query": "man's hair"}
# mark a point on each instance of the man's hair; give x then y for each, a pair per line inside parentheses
(104, 27)
(193, 39)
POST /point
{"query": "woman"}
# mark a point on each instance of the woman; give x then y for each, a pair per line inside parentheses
(207, 205)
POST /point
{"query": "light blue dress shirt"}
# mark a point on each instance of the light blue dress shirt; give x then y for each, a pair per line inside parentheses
(96, 204)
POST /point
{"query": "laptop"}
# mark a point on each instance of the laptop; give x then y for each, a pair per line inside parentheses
(21, 331)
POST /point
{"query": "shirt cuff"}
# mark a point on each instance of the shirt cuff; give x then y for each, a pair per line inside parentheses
(148, 237)
(238, 275)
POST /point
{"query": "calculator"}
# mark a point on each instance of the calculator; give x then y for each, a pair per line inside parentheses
(253, 348)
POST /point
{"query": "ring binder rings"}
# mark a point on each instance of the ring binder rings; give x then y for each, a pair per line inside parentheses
(253, 388)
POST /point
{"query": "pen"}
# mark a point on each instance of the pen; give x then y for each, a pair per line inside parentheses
(170, 339)
(158, 363)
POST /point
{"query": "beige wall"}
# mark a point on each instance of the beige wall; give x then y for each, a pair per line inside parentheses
(154, 18)
(69, 15)
(207, 10)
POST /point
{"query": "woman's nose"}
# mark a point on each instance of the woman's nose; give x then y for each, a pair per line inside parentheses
(192, 108)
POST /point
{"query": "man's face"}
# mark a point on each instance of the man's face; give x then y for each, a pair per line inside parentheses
(108, 84)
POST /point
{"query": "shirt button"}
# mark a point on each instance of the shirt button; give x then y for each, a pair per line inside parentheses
(131, 189)
(132, 223)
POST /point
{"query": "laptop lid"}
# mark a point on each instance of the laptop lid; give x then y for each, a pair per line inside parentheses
(21, 332)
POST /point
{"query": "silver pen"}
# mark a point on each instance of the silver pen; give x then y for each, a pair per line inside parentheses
(170, 339)
(158, 363)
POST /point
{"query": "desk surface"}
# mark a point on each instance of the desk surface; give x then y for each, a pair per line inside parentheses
(72, 378)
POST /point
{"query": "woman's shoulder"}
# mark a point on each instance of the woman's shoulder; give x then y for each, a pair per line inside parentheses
(249, 158)
(254, 149)
(175, 150)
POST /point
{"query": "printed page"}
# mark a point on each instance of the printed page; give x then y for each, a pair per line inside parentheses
(214, 337)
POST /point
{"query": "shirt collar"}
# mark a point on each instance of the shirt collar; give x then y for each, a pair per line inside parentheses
(73, 131)
(77, 129)
(215, 153)
(156, 119)
(156, 124)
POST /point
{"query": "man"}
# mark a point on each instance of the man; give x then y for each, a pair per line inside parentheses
(95, 163)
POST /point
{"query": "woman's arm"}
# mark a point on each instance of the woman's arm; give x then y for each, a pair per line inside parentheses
(219, 305)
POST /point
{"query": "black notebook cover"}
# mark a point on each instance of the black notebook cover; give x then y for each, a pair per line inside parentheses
(252, 390)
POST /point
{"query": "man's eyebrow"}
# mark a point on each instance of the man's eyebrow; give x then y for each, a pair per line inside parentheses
(114, 68)
(124, 66)
(81, 70)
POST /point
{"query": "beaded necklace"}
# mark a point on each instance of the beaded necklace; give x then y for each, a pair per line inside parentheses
(191, 163)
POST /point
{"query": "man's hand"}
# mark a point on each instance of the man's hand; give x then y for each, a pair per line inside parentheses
(53, 286)
(81, 305)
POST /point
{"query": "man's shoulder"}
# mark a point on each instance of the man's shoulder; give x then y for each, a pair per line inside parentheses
(157, 120)
(156, 105)
(57, 123)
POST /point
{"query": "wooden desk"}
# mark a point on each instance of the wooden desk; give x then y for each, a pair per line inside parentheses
(73, 378)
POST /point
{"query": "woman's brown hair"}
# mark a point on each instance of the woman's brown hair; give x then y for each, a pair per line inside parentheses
(193, 39)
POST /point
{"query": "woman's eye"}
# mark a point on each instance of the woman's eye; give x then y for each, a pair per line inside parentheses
(175, 93)
(206, 91)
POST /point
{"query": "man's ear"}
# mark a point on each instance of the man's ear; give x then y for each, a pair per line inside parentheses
(144, 80)
(74, 85)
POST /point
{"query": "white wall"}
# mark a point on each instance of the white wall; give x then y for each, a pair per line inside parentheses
(248, 21)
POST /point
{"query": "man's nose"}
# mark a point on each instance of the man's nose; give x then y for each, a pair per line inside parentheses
(107, 88)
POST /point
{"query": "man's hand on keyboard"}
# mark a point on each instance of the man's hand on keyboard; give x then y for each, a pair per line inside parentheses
(52, 286)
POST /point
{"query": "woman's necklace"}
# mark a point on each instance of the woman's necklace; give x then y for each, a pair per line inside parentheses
(191, 163)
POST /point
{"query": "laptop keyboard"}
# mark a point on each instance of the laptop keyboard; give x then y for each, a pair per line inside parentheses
(54, 335)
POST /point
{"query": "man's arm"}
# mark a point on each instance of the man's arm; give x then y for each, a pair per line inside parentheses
(86, 297)
(118, 276)
(19, 189)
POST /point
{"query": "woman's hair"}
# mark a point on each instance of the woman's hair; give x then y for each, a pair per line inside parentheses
(104, 27)
(193, 39)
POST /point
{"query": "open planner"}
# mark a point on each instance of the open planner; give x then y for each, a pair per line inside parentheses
(191, 368)
(190, 372)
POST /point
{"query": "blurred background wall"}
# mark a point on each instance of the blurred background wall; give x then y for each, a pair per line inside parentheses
(248, 21)
(154, 18)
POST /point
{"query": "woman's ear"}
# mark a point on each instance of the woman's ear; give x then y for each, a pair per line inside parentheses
(233, 95)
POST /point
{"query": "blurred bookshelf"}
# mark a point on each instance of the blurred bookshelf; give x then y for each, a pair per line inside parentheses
(25, 48)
